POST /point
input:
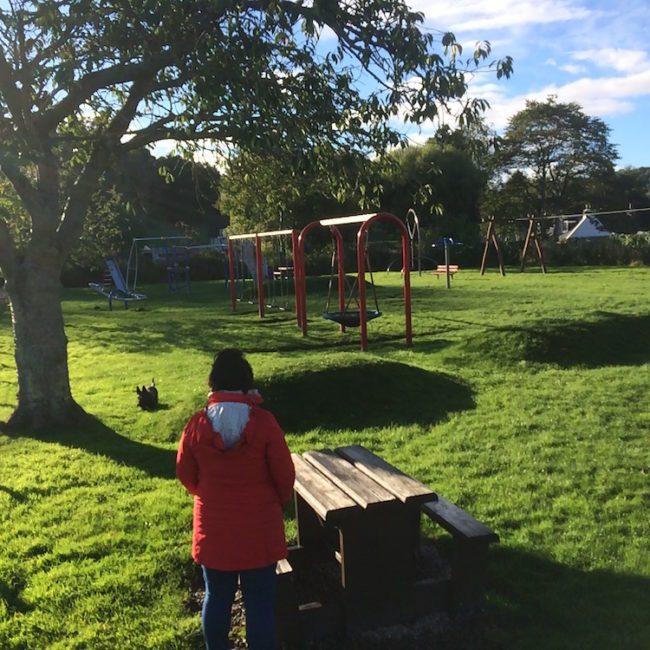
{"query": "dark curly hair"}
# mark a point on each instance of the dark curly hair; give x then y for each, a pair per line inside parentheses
(231, 371)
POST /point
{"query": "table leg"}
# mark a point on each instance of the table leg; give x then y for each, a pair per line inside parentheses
(316, 540)
(378, 566)
(468, 573)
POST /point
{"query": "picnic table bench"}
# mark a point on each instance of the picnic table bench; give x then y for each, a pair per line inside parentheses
(362, 514)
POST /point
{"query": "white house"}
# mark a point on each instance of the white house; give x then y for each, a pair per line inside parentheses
(587, 228)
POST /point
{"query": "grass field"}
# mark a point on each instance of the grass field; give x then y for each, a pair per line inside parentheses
(525, 400)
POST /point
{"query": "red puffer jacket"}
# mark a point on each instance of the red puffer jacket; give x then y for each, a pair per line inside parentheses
(238, 492)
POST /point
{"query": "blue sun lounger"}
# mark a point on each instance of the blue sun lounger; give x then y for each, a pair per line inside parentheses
(119, 291)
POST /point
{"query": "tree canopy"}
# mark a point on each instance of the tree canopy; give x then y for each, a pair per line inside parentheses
(82, 81)
(259, 191)
(557, 148)
(441, 182)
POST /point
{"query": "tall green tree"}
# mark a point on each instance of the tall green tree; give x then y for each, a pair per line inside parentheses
(476, 139)
(629, 189)
(82, 81)
(185, 192)
(263, 192)
(558, 148)
(511, 198)
(144, 196)
(442, 183)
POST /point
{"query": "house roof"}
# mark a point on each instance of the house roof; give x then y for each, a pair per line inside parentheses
(587, 228)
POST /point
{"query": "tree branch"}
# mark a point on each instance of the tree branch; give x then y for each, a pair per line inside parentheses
(159, 131)
(94, 81)
(24, 188)
(74, 214)
(143, 139)
(13, 98)
(80, 197)
(7, 249)
(48, 53)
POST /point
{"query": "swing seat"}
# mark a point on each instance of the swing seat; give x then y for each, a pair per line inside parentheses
(350, 318)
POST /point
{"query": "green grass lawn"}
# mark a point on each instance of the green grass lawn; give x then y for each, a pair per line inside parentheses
(525, 400)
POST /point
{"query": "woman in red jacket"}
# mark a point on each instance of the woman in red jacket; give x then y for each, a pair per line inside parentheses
(235, 461)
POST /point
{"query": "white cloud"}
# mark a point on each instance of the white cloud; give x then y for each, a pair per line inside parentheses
(617, 59)
(592, 52)
(466, 15)
(573, 68)
(602, 96)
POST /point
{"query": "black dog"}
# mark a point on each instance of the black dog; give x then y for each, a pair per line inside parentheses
(147, 397)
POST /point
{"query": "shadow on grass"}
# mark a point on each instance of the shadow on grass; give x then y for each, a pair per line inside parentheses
(164, 331)
(368, 394)
(162, 337)
(534, 598)
(93, 436)
(275, 333)
(16, 496)
(533, 602)
(613, 340)
(10, 593)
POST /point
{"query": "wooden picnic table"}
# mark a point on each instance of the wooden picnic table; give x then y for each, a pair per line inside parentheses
(354, 507)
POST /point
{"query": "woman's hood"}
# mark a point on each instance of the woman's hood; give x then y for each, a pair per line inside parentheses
(229, 412)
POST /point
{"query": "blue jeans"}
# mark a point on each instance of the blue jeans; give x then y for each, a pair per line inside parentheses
(258, 590)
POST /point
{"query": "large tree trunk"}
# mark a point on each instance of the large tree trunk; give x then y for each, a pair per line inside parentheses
(34, 290)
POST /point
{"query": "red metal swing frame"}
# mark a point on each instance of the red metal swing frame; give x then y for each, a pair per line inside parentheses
(259, 271)
(365, 221)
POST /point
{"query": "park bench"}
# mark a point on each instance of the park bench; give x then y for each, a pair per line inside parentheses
(359, 516)
(441, 269)
(283, 272)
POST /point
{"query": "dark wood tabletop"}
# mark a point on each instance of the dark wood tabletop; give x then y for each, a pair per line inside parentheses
(341, 483)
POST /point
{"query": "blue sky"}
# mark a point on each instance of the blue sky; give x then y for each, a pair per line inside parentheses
(593, 52)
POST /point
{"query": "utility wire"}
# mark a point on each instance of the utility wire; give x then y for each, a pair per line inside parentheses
(585, 212)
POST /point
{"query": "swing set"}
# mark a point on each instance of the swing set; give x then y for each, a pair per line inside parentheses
(359, 315)
(533, 235)
(413, 228)
(246, 260)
